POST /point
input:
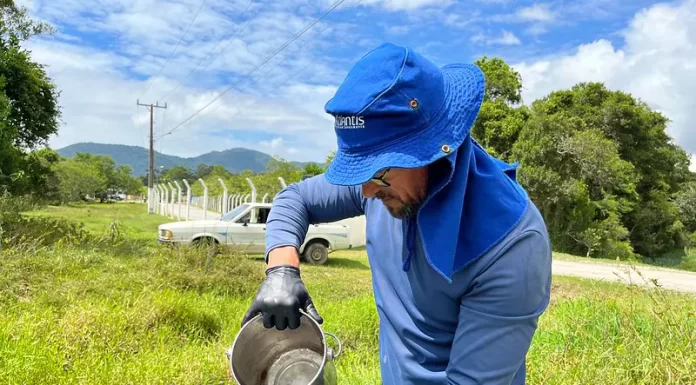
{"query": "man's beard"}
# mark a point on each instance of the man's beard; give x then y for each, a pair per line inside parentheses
(405, 211)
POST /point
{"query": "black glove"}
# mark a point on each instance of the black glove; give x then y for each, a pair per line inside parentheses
(280, 298)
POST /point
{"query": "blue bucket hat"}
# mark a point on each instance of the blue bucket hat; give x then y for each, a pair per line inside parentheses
(397, 109)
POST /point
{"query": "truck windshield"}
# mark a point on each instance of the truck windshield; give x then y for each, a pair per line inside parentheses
(236, 211)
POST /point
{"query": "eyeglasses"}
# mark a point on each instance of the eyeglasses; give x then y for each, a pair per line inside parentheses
(379, 180)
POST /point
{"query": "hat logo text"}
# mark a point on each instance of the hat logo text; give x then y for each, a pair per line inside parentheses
(349, 122)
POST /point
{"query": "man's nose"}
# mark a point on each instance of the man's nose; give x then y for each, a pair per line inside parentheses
(369, 189)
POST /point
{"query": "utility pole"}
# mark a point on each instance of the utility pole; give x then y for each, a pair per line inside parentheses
(151, 169)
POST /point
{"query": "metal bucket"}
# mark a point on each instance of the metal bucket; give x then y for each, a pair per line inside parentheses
(261, 356)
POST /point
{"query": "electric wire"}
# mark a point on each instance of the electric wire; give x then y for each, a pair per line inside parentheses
(292, 76)
(175, 49)
(300, 33)
(232, 39)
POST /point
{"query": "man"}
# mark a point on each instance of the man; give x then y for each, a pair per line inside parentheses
(460, 258)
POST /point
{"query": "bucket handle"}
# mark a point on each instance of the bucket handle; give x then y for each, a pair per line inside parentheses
(340, 346)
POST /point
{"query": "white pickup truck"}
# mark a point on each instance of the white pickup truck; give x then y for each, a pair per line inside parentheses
(244, 229)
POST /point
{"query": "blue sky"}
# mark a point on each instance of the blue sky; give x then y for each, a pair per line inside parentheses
(110, 53)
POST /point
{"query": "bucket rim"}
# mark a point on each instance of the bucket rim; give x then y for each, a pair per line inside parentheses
(316, 325)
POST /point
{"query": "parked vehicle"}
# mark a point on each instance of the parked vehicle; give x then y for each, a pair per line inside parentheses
(244, 229)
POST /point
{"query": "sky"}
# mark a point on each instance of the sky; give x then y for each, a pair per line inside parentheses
(257, 73)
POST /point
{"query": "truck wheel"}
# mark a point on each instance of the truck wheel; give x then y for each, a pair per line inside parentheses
(316, 253)
(206, 243)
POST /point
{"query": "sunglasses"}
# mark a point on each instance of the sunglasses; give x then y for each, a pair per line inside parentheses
(379, 180)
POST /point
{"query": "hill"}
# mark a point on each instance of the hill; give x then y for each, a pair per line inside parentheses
(234, 160)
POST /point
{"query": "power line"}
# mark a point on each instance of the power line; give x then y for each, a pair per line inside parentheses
(239, 30)
(305, 29)
(289, 77)
(175, 48)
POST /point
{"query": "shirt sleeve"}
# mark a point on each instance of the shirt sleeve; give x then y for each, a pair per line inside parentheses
(498, 316)
(311, 201)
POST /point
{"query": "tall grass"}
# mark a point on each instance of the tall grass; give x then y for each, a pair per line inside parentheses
(617, 334)
(119, 309)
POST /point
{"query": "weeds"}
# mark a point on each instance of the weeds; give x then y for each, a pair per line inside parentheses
(119, 309)
(618, 334)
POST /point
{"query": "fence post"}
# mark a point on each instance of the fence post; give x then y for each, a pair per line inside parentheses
(205, 199)
(246, 198)
(264, 198)
(150, 205)
(188, 198)
(166, 199)
(178, 201)
(282, 182)
(160, 201)
(155, 197)
(253, 190)
(165, 203)
(171, 200)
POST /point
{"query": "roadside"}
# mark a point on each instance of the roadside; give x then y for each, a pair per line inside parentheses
(682, 263)
(669, 279)
(137, 224)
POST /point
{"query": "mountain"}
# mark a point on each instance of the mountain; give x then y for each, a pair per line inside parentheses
(234, 160)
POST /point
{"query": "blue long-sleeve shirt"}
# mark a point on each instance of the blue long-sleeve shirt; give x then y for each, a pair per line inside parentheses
(459, 290)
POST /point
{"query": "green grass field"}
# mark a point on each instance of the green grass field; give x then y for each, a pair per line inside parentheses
(132, 312)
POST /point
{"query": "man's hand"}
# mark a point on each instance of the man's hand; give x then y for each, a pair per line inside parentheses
(282, 294)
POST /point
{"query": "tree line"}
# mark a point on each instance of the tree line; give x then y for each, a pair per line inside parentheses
(598, 163)
(606, 176)
(266, 182)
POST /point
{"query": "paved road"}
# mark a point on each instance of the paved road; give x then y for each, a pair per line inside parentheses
(667, 278)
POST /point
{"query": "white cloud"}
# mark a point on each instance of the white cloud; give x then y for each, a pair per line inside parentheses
(536, 12)
(536, 29)
(407, 5)
(692, 166)
(494, 2)
(99, 106)
(655, 65)
(99, 90)
(506, 38)
(274, 144)
(397, 29)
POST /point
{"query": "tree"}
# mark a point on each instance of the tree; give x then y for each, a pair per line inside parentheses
(686, 205)
(593, 158)
(96, 176)
(125, 182)
(202, 171)
(502, 82)
(29, 110)
(499, 123)
(642, 140)
(78, 179)
(579, 182)
(312, 169)
(178, 173)
(280, 167)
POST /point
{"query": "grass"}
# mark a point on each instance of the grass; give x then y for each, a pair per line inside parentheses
(136, 313)
(97, 218)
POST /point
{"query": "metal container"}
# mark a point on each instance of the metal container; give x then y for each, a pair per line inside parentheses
(261, 356)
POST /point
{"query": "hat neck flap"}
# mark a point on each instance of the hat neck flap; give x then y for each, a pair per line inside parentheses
(470, 210)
